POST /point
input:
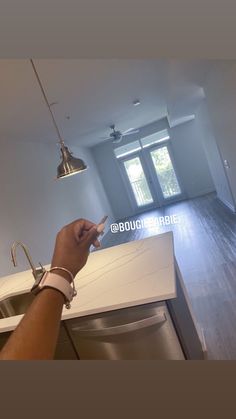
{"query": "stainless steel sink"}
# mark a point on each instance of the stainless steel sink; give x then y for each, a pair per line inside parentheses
(15, 305)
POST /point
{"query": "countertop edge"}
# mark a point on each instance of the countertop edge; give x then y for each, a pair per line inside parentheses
(10, 323)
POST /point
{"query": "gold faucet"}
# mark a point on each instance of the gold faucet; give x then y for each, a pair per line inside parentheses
(37, 272)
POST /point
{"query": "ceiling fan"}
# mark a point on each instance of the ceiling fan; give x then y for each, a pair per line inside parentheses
(117, 136)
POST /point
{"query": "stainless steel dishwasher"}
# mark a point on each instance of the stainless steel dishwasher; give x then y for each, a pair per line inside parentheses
(141, 332)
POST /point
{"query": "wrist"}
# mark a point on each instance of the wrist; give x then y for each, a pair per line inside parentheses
(53, 293)
(55, 278)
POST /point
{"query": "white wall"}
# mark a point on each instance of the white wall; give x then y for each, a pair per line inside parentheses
(220, 89)
(189, 156)
(34, 206)
(213, 156)
(110, 175)
(190, 159)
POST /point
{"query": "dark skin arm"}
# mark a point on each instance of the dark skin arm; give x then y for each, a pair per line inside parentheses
(36, 335)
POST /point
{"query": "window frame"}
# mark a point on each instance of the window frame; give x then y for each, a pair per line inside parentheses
(128, 186)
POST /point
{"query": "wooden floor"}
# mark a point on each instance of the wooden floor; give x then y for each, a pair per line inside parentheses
(205, 247)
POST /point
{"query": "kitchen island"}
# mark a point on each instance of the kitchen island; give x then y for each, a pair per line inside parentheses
(135, 276)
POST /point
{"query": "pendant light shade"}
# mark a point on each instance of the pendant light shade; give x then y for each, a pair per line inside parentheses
(69, 165)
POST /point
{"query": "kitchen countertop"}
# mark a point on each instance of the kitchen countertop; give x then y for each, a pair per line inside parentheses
(129, 274)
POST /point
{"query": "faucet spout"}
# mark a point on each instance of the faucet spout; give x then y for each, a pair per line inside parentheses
(26, 251)
(37, 272)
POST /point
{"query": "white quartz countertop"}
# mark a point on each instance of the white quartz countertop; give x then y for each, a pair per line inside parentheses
(129, 274)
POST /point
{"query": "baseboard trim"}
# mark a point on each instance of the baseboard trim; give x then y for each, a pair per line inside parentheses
(227, 204)
(201, 193)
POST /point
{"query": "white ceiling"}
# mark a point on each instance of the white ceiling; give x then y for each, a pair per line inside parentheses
(94, 94)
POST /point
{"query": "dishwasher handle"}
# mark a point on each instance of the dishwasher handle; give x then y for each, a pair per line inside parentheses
(124, 328)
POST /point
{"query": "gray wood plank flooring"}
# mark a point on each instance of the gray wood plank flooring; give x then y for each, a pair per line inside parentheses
(205, 248)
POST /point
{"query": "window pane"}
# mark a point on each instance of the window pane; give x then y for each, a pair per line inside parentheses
(155, 138)
(138, 181)
(124, 150)
(165, 172)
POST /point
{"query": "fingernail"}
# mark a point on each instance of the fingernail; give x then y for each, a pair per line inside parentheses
(100, 228)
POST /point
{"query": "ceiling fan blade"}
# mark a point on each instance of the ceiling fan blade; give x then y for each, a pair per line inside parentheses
(105, 138)
(131, 132)
(128, 130)
(117, 141)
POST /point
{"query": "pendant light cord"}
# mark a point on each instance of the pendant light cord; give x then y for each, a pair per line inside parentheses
(47, 103)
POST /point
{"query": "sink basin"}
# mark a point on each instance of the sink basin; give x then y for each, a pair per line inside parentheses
(15, 305)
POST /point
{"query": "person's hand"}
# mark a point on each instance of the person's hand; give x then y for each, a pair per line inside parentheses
(72, 245)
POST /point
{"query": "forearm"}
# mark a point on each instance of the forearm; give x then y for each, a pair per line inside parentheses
(36, 335)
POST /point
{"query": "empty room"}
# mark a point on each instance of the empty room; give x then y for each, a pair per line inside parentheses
(153, 147)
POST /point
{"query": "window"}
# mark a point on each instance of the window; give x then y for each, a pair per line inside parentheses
(165, 172)
(138, 181)
(137, 145)
(124, 150)
(155, 138)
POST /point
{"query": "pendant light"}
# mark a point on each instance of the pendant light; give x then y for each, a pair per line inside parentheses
(69, 165)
